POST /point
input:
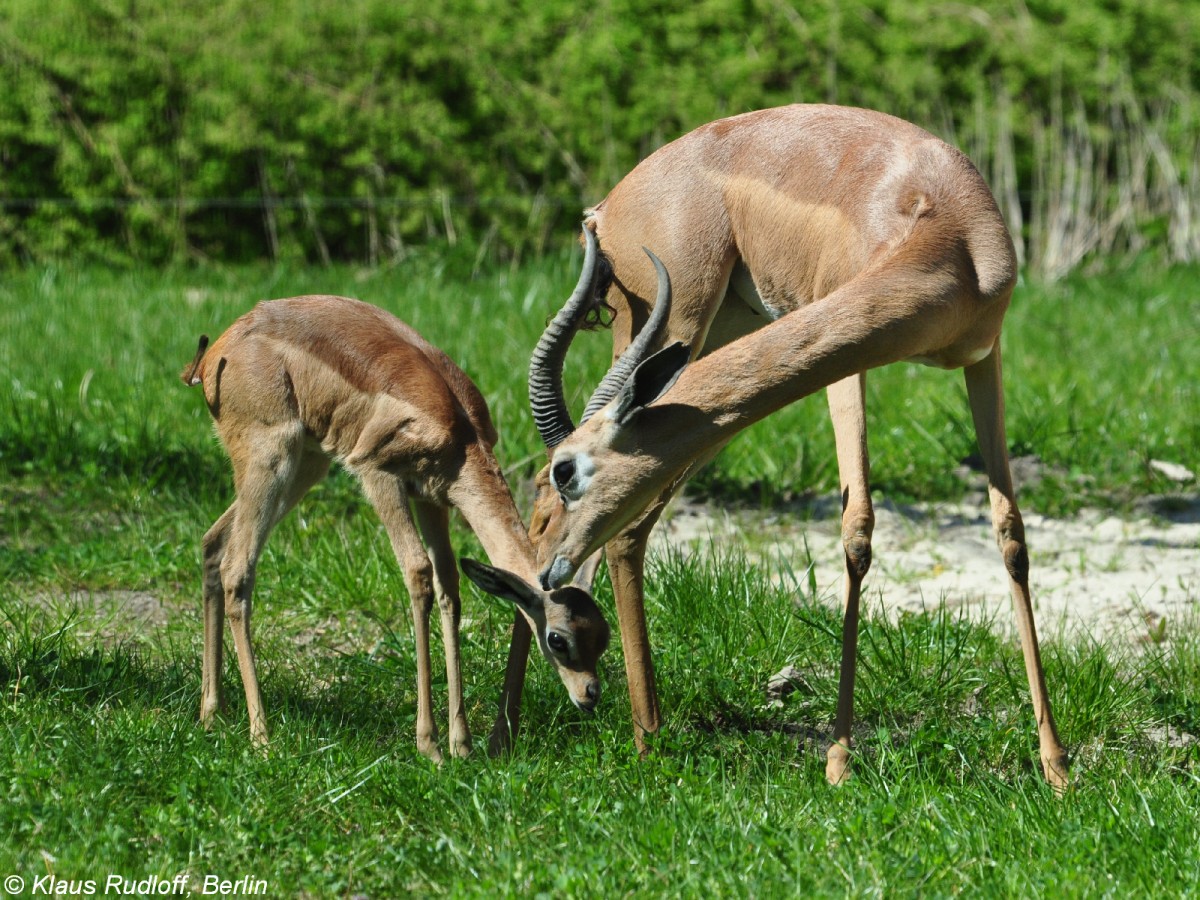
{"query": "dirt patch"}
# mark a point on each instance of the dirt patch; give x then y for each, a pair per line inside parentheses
(1134, 580)
(117, 615)
(110, 615)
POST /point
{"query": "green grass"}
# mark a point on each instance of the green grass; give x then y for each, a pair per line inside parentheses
(109, 475)
(106, 768)
(1101, 376)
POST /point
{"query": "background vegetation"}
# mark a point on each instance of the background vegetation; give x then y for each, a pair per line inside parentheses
(303, 130)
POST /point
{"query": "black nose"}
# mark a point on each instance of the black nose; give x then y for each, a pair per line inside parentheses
(593, 692)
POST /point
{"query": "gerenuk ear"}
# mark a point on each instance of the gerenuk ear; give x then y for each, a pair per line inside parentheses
(651, 380)
(505, 585)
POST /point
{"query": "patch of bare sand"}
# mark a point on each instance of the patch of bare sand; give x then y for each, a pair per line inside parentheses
(109, 615)
(1128, 580)
(117, 616)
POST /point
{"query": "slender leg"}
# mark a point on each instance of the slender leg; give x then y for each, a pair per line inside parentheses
(847, 410)
(434, 522)
(266, 485)
(212, 698)
(626, 555)
(508, 720)
(386, 493)
(985, 392)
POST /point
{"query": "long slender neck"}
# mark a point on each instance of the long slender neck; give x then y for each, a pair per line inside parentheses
(720, 394)
(482, 496)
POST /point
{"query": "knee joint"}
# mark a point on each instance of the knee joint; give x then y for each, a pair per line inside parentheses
(237, 608)
(213, 549)
(856, 541)
(213, 552)
(419, 578)
(212, 574)
(1016, 560)
(448, 601)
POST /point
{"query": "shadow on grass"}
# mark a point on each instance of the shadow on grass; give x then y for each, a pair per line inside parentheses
(48, 662)
(44, 661)
(147, 463)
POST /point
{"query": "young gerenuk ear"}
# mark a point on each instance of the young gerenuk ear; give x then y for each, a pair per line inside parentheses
(651, 380)
(502, 584)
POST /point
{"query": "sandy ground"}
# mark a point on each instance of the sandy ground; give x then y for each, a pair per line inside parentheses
(1129, 580)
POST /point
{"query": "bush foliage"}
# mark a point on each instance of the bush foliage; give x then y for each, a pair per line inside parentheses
(232, 129)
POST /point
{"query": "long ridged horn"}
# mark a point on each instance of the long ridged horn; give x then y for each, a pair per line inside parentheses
(550, 413)
(637, 351)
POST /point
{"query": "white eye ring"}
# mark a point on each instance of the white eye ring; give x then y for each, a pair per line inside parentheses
(572, 475)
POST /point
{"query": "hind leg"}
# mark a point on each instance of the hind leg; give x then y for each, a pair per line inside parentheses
(212, 698)
(267, 476)
(985, 392)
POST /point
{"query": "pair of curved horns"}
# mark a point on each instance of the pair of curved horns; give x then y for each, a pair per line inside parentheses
(546, 398)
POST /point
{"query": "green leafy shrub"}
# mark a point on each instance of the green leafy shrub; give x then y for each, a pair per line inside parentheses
(301, 130)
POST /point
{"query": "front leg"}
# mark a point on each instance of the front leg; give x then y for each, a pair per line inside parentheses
(626, 555)
(504, 732)
(387, 494)
(434, 522)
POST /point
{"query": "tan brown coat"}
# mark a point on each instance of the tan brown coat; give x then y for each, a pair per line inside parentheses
(298, 383)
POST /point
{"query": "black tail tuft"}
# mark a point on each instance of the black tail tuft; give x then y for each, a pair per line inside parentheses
(190, 374)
